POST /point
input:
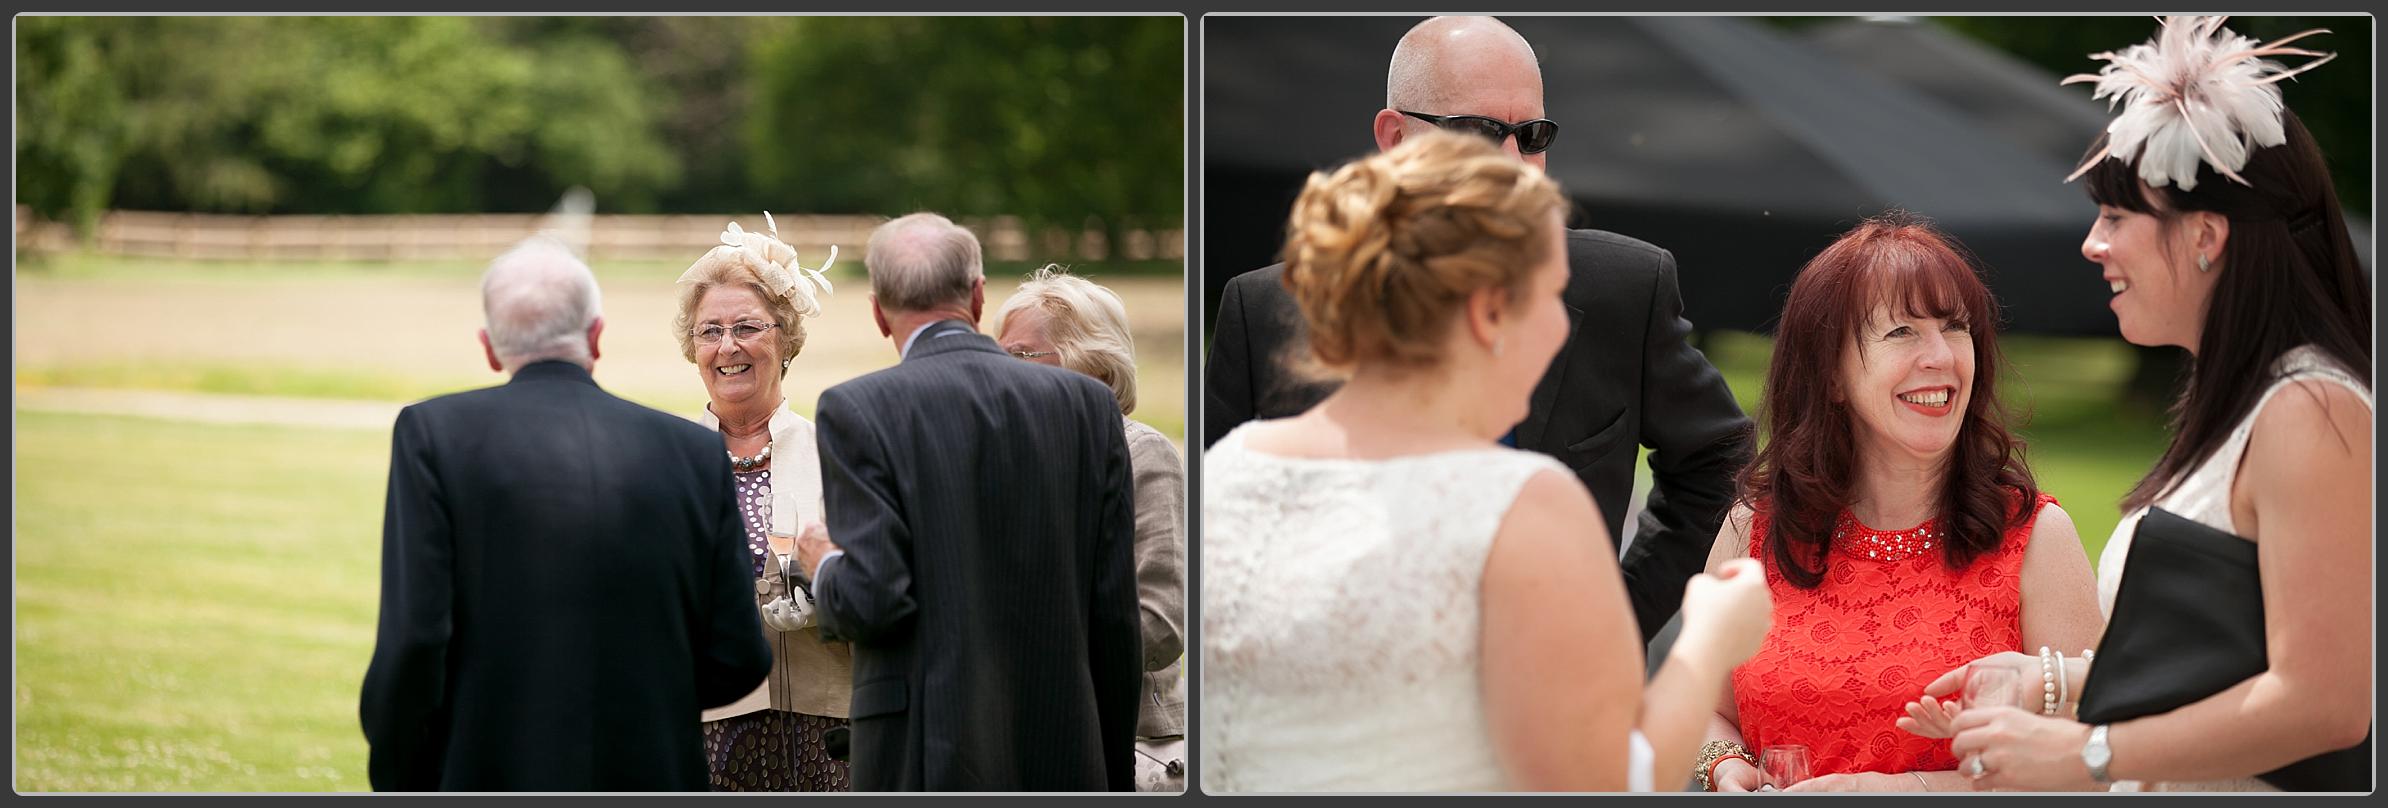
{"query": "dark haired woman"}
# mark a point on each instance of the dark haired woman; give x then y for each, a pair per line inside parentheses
(1900, 532)
(2222, 235)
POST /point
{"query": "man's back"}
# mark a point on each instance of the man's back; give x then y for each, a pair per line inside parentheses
(563, 590)
(984, 508)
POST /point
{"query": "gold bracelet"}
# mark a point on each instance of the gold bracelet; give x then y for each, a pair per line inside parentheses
(1712, 752)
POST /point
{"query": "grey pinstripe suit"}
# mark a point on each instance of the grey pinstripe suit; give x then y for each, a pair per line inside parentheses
(984, 506)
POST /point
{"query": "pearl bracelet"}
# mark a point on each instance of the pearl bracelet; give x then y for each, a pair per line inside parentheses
(2048, 677)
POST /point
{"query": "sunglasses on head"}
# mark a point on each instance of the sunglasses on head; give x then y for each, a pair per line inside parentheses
(1532, 136)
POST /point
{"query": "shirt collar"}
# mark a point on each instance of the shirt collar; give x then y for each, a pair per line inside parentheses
(906, 351)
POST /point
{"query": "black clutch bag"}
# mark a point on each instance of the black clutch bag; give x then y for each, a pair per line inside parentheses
(2188, 623)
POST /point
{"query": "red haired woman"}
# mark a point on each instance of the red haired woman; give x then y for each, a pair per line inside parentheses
(1900, 531)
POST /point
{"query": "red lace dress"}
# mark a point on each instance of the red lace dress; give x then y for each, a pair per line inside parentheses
(1843, 659)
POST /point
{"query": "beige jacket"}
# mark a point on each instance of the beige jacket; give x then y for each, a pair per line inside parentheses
(808, 675)
(1160, 549)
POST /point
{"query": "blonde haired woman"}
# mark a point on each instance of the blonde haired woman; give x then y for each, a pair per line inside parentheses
(1393, 601)
(1070, 322)
(742, 310)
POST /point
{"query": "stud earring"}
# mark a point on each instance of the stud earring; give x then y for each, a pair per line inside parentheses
(2204, 264)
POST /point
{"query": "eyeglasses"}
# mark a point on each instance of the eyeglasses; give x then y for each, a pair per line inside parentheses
(711, 333)
(1532, 136)
(1033, 355)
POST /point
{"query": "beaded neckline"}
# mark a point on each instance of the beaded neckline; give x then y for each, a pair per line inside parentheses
(1853, 537)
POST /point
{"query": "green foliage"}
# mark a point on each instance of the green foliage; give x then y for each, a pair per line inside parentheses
(1053, 119)
(326, 115)
(2334, 100)
(71, 126)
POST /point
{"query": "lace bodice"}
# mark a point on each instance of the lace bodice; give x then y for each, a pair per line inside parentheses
(1842, 659)
(1340, 618)
(2204, 496)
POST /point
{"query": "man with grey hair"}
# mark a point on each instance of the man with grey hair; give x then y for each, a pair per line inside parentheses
(564, 581)
(1626, 377)
(983, 567)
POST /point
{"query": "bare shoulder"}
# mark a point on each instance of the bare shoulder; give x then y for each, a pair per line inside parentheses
(1739, 521)
(1551, 508)
(2055, 540)
(2053, 523)
(2312, 419)
(1732, 536)
(1553, 493)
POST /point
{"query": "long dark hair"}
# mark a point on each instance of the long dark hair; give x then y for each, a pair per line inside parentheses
(2289, 277)
(1803, 475)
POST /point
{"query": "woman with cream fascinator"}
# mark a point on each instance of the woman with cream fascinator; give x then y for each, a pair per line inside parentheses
(2237, 654)
(742, 313)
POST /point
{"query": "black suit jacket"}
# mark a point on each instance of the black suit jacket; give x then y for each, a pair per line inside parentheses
(564, 588)
(985, 507)
(1626, 377)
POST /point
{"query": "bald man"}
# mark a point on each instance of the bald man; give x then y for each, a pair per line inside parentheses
(1626, 376)
(564, 583)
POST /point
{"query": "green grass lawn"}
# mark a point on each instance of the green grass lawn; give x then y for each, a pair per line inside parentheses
(194, 604)
(2085, 444)
(326, 331)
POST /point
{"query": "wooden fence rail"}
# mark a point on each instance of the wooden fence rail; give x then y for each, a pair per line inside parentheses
(479, 237)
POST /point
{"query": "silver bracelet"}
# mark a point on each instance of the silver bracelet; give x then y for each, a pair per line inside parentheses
(1919, 779)
(2063, 688)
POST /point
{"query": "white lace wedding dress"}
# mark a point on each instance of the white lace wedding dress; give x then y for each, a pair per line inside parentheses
(2204, 496)
(1339, 618)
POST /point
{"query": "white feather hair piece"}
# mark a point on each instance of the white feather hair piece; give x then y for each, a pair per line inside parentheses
(2196, 91)
(773, 264)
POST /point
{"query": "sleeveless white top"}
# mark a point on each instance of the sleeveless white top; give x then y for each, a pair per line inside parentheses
(2204, 496)
(1340, 609)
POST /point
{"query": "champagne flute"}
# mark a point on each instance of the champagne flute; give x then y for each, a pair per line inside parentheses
(1783, 765)
(1987, 686)
(783, 547)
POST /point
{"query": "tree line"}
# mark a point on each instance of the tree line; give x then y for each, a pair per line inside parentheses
(1057, 120)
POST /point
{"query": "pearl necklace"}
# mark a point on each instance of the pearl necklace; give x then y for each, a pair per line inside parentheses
(1886, 545)
(745, 464)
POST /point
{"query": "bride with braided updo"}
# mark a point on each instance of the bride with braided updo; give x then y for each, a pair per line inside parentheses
(1392, 600)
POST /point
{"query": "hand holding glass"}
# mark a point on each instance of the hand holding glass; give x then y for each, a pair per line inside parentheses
(783, 547)
(1783, 766)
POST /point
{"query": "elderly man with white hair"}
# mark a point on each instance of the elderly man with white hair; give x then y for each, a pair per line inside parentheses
(564, 581)
(1626, 377)
(983, 567)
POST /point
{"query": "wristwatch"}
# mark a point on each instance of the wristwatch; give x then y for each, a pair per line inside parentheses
(2096, 755)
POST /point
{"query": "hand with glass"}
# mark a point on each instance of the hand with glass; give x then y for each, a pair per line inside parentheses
(792, 610)
(743, 311)
(1782, 766)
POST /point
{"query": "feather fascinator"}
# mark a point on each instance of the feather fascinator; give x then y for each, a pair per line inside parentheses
(2196, 91)
(773, 264)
